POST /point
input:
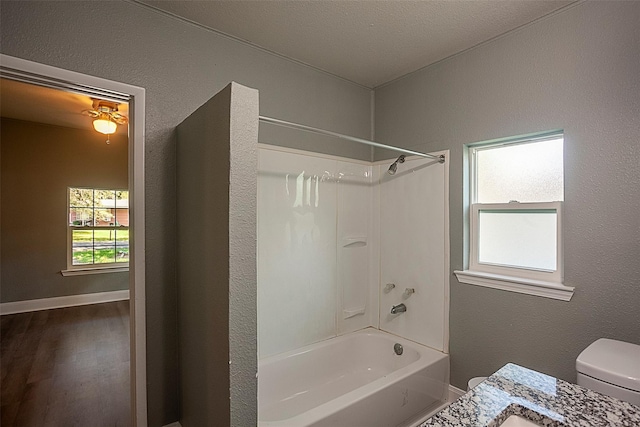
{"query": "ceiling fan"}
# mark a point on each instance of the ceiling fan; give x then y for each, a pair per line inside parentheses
(106, 116)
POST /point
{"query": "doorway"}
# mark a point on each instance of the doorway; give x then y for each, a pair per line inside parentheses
(18, 70)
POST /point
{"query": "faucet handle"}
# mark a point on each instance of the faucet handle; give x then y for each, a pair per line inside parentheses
(409, 291)
(389, 286)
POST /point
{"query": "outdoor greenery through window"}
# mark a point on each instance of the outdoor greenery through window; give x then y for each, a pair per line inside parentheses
(98, 227)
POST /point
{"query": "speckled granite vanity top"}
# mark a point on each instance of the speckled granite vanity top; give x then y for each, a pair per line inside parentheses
(545, 400)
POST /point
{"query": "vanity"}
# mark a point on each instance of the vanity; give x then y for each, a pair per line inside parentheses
(519, 397)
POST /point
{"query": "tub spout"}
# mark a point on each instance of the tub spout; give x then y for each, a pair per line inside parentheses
(400, 308)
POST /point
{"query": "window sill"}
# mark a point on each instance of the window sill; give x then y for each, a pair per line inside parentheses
(516, 284)
(95, 270)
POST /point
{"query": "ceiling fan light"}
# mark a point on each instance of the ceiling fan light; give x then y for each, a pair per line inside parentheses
(104, 126)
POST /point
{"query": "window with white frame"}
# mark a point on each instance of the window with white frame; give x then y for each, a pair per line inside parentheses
(98, 229)
(515, 215)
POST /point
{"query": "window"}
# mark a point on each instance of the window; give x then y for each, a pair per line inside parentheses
(515, 216)
(98, 230)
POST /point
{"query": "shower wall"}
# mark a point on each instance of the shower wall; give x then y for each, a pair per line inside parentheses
(414, 251)
(331, 231)
(314, 248)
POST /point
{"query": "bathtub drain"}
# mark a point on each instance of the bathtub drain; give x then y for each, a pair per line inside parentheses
(398, 348)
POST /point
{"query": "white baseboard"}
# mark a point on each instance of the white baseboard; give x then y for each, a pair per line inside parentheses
(176, 424)
(60, 302)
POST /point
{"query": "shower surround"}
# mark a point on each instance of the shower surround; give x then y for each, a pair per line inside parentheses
(332, 233)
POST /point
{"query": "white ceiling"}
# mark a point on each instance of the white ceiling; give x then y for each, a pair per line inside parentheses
(367, 42)
(41, 104)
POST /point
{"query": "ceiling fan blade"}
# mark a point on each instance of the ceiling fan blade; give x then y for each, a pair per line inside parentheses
(91, 113)
(119, 118)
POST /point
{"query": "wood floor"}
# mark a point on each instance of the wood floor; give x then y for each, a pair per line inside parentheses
(66, 367)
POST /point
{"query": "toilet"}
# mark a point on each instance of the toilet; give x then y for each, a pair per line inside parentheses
(611, 367)
(474, 382)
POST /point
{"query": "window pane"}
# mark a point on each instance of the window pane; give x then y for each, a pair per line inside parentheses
(82, 247)
(104, 198)
(103, 217)
(104, 254)
(122, 208)
(530, 172)
(122, 245)
(123, 195)
(104, 246)
(122, 217)
(518, 239)
(79, 197)
(80, 217)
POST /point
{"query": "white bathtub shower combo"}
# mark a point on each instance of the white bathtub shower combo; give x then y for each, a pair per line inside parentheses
(340, 242)
(354, 379)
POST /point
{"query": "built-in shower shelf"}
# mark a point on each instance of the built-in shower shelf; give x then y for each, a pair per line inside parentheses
(354, 242)
(353, 312)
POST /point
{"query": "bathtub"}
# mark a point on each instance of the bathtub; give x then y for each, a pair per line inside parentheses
(351, 381)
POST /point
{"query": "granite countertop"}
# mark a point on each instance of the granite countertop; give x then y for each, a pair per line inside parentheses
(545, 400)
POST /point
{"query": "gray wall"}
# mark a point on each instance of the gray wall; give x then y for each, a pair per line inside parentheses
(181, 66)
(39, 162)
(217, 282)
(578, 70)
(243, 263)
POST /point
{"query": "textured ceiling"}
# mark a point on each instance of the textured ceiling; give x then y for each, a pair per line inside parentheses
(41, 104)
(368, 42)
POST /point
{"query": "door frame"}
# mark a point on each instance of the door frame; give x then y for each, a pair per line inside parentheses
(57, 78)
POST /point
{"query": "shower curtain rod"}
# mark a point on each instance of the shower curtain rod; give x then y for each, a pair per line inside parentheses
(292, 125)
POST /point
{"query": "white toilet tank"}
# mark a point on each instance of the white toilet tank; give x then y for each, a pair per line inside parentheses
(611, 367)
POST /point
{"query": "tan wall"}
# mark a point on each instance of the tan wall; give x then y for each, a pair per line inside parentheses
(39, 162)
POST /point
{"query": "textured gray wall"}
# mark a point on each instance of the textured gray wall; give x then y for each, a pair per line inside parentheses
(243, 275)
(578, 70)
(217, 160)
(181, 66)
(39, 162)
(202, 176)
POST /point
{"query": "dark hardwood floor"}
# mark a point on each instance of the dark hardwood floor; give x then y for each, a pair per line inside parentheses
(66, 367)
